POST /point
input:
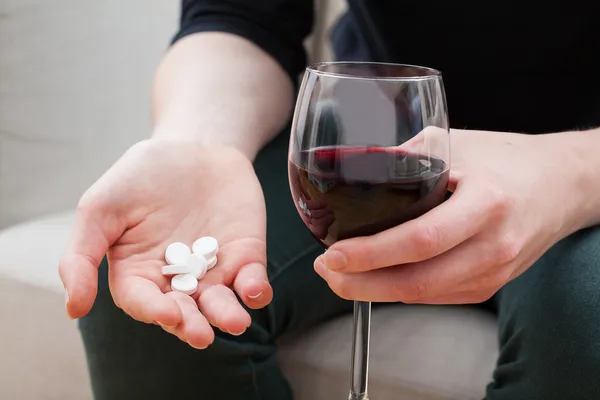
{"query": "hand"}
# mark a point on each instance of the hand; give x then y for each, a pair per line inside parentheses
(159, 192)
(511, 202)
(314, 213)
(316, 216)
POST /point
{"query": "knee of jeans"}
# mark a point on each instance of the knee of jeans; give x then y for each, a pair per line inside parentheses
(567, 301)
(550, 362)
(555, 355)
(550, 330)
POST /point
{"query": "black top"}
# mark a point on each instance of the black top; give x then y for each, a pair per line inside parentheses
(523, 66)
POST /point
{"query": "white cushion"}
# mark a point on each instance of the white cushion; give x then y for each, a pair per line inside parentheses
(417, 353)
(41, 356)
(31, 250)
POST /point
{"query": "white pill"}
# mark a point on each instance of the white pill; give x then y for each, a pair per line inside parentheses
(197, 265)
(425, 163)
(177, 253)
(175, 269)
(185, 283)
(206, 246)
(212, 262)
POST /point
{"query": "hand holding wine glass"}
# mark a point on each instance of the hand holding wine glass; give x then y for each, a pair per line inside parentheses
(511, 202)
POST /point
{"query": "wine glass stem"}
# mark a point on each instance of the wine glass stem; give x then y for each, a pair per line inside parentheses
(360, 350)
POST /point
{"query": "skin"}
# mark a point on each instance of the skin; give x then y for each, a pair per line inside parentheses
(192, 178)
(514, 197)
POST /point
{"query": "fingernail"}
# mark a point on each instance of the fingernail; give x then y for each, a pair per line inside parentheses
(236, 334)
(255, 296)
(335, 260)
(320, 268)
(67, 304)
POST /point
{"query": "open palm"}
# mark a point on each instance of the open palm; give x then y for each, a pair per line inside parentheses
(161, 192)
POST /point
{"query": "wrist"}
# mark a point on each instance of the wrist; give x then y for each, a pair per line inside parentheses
(576, 171)
(585, 148)
(242, 145)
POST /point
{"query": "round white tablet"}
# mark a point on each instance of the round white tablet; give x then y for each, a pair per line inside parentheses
(177, 253)
(185, 283)
(206, 246)
(175, 269)
(197, 265)
(212, 262)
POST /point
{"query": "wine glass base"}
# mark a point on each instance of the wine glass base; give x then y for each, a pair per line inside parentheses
(354, 396)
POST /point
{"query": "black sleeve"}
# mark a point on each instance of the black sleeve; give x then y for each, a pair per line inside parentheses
(277, 26)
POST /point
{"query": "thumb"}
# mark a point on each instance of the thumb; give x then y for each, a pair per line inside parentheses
(96, 229)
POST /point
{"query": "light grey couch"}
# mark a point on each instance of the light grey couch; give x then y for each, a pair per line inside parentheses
(74, 89)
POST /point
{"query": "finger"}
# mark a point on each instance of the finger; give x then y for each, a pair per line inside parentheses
(144, 301)
(458, 298)
(315, 204)
(319, 213)
(462, 269)
(322, 222)
(415, 144)
(194, 328)
(252, 286)
(424, 141)
(474, 266)
(461, 217)
(374, 286)
(94, 232)
(223, 310)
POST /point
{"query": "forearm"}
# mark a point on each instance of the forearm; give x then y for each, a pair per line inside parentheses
(221, 89)
(577, 160)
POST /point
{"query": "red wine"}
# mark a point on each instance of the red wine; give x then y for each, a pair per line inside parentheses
(345, 192)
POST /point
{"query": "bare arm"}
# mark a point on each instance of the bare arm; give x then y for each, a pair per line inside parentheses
(221, 89)
(578, 154)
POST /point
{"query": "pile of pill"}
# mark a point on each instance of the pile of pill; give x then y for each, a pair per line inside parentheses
(304, 207)
(187, 266)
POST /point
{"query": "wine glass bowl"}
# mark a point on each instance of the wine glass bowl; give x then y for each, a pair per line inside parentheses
(369, 150)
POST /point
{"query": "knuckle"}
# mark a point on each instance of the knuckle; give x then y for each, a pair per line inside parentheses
(340, 287)
(505, 250)
(490, 283)
(499, 202)
(481, 297)
(493, 282)
(367, 255)
(427, 240)
(410, 292)
(89, 204)
(501, 279)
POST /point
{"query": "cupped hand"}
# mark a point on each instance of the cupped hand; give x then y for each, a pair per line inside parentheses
(316, 216)
(164, 191)
(511, 202)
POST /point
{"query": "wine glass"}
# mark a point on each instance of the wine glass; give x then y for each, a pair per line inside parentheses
(369, 150)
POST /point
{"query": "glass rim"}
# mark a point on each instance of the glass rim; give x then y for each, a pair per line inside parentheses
(319, 68)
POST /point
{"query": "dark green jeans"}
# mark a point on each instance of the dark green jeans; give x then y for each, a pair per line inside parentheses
(549, 323)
